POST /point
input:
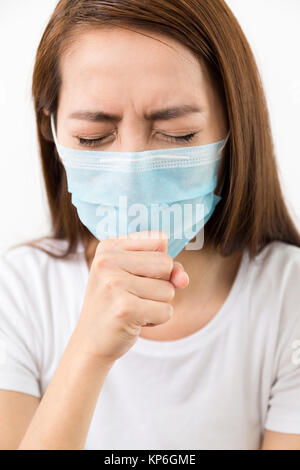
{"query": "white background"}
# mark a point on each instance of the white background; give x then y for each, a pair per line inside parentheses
(272, 28)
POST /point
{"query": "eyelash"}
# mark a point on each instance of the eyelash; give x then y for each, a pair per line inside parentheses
(94, 142)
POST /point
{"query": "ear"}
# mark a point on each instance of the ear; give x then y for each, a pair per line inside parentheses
(46, 112)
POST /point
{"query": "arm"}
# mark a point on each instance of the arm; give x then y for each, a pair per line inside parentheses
(63, 418)
(16, 412)
(129, 286)
(280, 441)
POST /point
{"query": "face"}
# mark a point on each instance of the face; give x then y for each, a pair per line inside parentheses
(117, 85)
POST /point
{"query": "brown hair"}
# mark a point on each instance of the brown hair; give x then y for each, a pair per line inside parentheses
(252, 211)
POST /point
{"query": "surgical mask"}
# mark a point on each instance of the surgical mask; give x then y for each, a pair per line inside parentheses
(117, 193)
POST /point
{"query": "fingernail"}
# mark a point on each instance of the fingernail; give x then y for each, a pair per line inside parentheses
(187, 276)
(184, 272)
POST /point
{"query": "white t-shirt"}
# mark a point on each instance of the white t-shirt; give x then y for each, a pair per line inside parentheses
(217, 388)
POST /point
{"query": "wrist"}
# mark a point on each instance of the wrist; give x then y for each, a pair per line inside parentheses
(87, 355)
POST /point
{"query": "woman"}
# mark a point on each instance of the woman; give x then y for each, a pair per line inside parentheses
(81, 365)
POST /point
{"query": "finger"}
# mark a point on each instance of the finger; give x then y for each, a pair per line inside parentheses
(179, 277)
(146, 311)
(152, 264)
(147, 240)
(148, 288)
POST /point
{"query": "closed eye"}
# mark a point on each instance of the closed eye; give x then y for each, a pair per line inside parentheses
(94, 142)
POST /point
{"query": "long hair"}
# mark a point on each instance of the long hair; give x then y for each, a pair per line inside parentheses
(252, 211)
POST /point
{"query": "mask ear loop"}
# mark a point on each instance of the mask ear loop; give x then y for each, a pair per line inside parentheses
(225, 142)
(54, 137)
(53, 129)
(220, 151)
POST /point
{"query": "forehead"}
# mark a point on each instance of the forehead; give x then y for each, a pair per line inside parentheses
(118, 63)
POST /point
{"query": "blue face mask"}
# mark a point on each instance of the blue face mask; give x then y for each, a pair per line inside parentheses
(117, 193)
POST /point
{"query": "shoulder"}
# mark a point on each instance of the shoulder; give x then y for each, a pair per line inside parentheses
(38, 251)
(278, 263)
(31, 265)
(278, 251)
(273, 278)
(277, 300)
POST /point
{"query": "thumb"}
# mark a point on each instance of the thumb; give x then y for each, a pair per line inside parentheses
(179, 276)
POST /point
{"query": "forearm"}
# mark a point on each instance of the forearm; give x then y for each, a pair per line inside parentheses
(63, 417)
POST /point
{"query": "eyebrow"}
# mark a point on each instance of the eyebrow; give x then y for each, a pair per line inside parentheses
(157, 115)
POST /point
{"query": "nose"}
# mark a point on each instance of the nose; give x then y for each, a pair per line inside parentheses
(133, 137)
(132, 144)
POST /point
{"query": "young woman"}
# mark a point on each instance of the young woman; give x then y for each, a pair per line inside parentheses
(118, 343)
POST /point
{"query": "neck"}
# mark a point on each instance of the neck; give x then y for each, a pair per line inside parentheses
(210, 273)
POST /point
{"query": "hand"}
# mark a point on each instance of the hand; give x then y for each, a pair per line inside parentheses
(131, 283)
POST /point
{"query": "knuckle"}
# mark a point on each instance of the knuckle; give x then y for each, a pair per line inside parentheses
(169, 309)
(124, 306)
(103, 259)
(161, 243)
(111, 282)
(168, 262)
(107, 244)
(171, 292)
